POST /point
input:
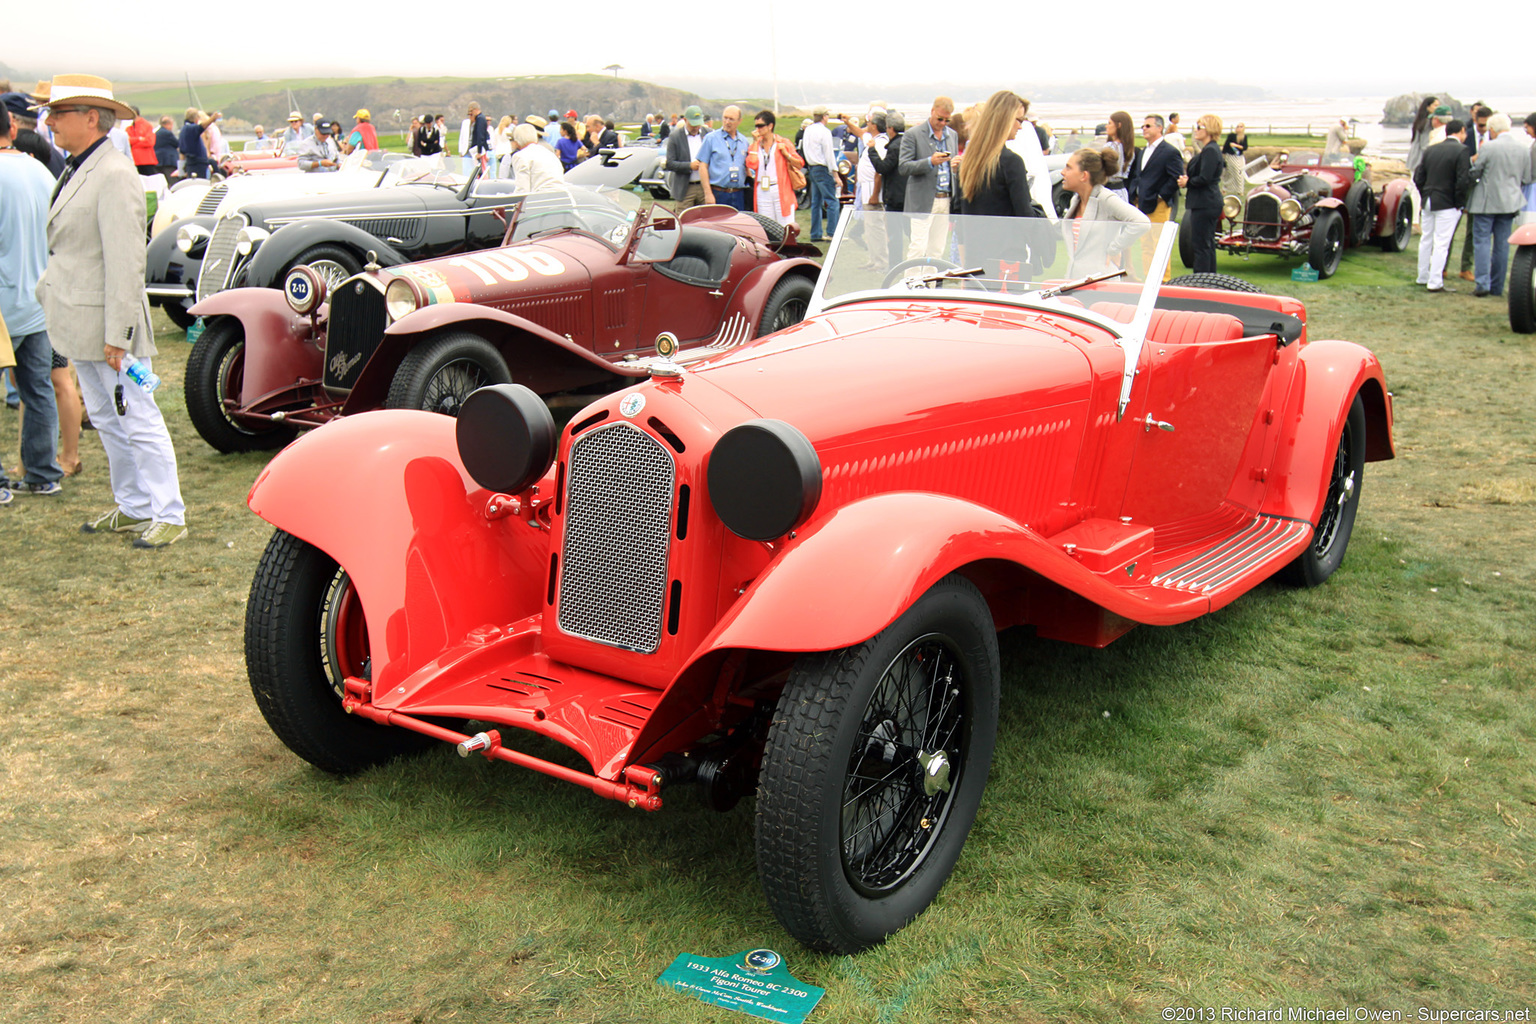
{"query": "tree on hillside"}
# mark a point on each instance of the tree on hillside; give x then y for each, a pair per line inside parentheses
(615, 68)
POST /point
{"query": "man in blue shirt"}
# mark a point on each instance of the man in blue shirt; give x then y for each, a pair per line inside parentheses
(193, 148)
(25, 191)
(723, 160)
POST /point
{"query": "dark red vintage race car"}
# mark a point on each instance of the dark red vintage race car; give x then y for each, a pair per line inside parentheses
(1316, 212)
(583, 283)
(782, 569)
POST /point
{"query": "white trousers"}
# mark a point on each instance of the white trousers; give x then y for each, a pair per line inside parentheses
(1437, 228)
(930, 234)
(140, 458)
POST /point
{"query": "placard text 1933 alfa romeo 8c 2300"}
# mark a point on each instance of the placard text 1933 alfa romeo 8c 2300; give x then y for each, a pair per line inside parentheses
(782, 569)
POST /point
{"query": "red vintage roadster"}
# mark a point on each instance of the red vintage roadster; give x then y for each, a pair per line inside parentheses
(782, 569)
(1316, 212)
(580, 287)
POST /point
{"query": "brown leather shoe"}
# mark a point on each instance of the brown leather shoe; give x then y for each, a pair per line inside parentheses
(1467, 275)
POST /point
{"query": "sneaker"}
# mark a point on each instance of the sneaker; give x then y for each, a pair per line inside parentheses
(160, 535)
(5, 495)
(115, 521)
(42, 490)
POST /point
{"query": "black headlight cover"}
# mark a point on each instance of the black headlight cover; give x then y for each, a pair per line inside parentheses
(764, 479)
(506, 437)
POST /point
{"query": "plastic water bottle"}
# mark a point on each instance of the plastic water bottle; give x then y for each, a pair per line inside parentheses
(140, 374)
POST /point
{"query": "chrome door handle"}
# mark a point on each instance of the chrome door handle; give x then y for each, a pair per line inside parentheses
(1152, 421)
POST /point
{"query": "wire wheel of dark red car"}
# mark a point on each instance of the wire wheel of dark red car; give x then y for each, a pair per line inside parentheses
(304, 634)
(1336, 521)
(1326, 249)
(438, 375)
(873, 770)
(786, 305)
(215, 371)
(1402, 226)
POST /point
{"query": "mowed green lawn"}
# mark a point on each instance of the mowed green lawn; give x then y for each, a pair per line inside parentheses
(1310, 799)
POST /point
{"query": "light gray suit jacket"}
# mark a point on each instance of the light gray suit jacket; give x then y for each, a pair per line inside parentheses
(93, 289)
(922, 176)
(1109, 226)
(1502, 168)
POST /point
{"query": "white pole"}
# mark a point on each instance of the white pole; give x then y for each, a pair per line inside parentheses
(773, 53)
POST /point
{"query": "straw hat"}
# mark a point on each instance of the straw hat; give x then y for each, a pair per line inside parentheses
(85, 90)
(40, 95)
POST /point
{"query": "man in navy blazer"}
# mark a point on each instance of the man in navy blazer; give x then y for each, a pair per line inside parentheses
(1155, 181)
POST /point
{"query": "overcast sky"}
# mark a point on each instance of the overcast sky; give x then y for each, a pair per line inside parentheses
(1367, 48)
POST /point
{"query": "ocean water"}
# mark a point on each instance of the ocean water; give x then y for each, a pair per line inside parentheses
(1364, 113)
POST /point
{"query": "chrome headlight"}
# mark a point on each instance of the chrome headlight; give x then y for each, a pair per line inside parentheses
(304, 288)
(1290, 211)
(845, 167)
(192, 236)
(249, 239)
(401, 298)
(1231, 207)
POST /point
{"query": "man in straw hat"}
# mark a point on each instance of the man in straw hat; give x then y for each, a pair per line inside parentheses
(93, 295)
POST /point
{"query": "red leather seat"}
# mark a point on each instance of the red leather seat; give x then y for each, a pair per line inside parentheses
(1177, 326)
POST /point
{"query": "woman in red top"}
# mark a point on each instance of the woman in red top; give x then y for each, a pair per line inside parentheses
(141, 139)
(772, 161)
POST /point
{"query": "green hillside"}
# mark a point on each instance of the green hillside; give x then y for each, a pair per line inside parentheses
(266, 101)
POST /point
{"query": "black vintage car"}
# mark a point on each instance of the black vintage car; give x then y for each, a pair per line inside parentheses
(259, 243)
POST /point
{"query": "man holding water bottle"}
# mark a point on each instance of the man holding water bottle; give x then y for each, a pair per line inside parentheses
(92, 293)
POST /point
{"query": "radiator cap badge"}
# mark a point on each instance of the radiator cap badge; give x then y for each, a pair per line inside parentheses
(632, 403)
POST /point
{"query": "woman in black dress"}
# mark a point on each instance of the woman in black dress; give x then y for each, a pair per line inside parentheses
(992, 183)
(1202, 198)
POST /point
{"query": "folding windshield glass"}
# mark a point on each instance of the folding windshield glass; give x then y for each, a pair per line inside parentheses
(1028, 260)
(608, 214)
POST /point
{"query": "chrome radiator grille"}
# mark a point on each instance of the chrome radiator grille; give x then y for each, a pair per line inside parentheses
(219, 259)
(1263, 219)
(618, 525)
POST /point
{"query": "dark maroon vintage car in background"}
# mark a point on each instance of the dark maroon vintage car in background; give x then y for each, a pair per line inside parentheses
(1316, 212)
(583, 285)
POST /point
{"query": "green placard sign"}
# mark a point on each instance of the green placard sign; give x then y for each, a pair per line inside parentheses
(755, 981)
(1305, 272)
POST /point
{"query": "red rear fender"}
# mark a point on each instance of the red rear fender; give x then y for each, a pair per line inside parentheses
(1328, 376)
(1525, 234)
(385, 495)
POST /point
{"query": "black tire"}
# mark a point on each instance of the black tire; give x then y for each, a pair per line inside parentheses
(177, 311)
(1402, 227)
(304, 633)
(1187, 242)
(1326, 249)
(335, 263)
(1522, 290)
(827, 851)
(786, 304)
(897, 272)
(1220, 282)
(1061, 199)
(1362, 212)
(1337, 519)
(438, 375)
(215, 368)
(773, 228)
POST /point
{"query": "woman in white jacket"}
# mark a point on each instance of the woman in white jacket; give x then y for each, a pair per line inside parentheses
(1099, 226)
(501, 147)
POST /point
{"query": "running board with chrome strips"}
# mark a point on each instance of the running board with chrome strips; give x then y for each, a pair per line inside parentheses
(1217, 566)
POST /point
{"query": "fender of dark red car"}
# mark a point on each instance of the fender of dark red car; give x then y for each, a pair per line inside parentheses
(291, 239)
(1395, 193)
(1328, 375)
(277, 347)
(753, 291)
(385, 495)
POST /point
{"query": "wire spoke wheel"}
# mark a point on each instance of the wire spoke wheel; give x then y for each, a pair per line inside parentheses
(873, 771)
(902, 772)
(451, 385)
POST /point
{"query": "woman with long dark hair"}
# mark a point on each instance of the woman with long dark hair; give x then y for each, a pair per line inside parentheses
(1202, 198)
(1419, 134)
(569, 147)
(1122, 139)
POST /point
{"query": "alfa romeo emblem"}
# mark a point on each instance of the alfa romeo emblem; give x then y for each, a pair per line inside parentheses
(762, 960)
(632, 403)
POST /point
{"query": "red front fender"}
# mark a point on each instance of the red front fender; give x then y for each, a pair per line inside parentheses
(385, 495)
(1525, 234)
(752, 294)
(278, 345)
